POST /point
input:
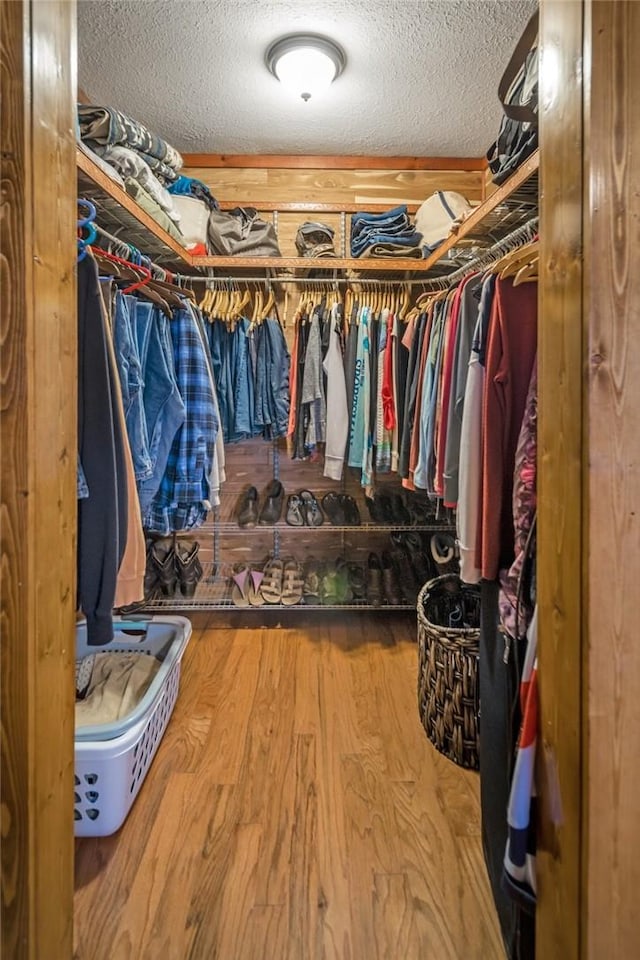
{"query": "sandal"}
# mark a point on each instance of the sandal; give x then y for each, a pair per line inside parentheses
(271, 586)
(311, 509)
(295, 515)
(255, 579)
(292, 583)
(333, 508)
(240, 585)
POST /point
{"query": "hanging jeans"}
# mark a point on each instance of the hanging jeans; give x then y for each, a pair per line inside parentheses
(243, 401)
(163, 406)
(125, 342)
(271, 401)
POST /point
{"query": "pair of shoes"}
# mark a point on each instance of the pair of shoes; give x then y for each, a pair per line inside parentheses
(245, 589)
(312, 573)
(303, 510)
(341, 509)
(176, 565)
(335, 586)
(282, 582)
(410, 544)
(388, 509)
(375, 591)
(393, 592)
(247, 512)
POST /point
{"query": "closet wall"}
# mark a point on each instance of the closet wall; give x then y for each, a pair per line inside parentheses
(330, 181)
(317, 187)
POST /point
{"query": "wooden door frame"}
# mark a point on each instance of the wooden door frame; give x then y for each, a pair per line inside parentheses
(589, 468)
(589, 671)
(38, 469)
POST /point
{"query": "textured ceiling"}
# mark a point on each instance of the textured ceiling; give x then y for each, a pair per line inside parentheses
(421, 75)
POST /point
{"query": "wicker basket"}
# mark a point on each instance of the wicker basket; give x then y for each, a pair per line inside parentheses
(448, 667)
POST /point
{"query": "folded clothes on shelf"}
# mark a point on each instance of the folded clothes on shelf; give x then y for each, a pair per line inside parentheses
(105, 125)
(390, 233)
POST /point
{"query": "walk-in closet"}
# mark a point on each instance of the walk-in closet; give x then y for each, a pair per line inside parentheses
(319, 479)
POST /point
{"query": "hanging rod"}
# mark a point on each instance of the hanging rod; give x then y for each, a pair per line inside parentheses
(524, 233)
(125, 247)
(317, 281)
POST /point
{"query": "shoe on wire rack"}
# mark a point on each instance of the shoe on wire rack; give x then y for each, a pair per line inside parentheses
(272, 506)
(188, 566)
(247, 514)
(164, 560)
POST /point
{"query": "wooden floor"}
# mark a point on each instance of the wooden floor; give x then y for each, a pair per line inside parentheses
(294, 811)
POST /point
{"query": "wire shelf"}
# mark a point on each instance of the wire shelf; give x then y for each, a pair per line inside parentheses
(228, 527)
(214, 593)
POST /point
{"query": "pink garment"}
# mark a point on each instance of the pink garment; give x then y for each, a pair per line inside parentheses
(388, 400)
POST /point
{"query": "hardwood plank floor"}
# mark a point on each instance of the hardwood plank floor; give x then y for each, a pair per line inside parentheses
(295, 810)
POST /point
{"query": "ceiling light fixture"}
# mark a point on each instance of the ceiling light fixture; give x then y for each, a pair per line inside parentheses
(306, 64)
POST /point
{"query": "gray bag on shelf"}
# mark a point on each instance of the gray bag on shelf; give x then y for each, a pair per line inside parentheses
(241, 233)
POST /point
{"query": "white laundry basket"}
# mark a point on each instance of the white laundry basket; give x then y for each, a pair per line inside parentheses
(111, 760)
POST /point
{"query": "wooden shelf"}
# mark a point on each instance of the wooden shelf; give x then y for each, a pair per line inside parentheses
(511, 205)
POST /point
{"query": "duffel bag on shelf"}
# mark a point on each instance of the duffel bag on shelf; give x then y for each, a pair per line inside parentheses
(518, 92)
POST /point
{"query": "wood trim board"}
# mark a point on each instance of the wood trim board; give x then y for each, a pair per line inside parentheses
(560, 487)
(295, 162)
(611, 664)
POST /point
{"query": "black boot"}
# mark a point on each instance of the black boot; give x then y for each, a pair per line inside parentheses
(188, 566)
(164, 560)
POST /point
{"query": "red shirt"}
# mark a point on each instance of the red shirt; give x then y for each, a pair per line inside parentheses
(511, 351)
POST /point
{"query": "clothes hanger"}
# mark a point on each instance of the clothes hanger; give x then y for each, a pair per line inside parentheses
(514, 259)
(528, 273)
(513, 267)
(270, 304)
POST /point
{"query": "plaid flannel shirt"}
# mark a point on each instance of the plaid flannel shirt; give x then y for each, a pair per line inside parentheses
(182, 500)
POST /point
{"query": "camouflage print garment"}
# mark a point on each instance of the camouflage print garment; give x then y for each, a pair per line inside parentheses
(104, 125)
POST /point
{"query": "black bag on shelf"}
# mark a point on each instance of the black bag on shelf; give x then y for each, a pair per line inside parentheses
(518, 92)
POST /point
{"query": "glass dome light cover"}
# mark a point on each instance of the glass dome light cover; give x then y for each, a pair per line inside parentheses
(305, 63)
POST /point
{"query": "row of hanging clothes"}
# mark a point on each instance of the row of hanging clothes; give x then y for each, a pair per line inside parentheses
(379, 386)
(250, 359)
(347, 375)
(150, 452)
(483, 461)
